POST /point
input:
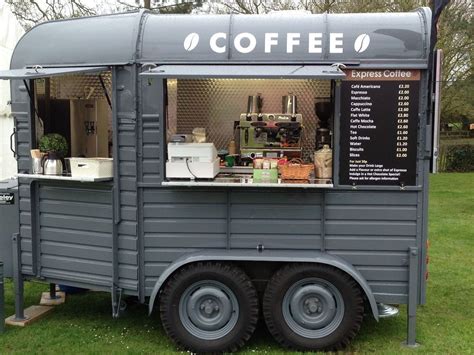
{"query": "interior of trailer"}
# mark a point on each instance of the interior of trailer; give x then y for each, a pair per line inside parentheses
(78, 108)
(249, 132)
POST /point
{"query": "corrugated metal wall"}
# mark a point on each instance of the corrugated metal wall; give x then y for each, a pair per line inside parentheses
(75, 232)
(20, 112)
(126, 177)
(371, 230)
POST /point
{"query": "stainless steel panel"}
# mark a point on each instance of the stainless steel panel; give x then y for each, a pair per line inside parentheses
(77, 86)
(216, 103)
(245, 71)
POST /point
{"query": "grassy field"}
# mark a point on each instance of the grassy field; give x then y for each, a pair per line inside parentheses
(445, 323)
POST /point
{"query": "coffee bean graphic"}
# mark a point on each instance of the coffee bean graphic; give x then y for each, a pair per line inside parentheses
(361, 43)
(191, 41)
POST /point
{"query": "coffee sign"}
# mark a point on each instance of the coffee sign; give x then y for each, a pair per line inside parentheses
(379, 120)
(246, 42)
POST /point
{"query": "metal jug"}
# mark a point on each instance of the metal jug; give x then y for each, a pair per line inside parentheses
(52, 165)
(37, 165)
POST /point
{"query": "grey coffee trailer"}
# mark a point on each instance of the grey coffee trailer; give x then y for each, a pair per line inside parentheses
(209, 253)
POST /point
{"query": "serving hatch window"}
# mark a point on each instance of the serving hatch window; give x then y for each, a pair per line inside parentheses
(262, 130)
(77, 107)
(71, 118)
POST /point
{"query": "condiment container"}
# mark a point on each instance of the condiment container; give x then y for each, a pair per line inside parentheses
(266, 164)
(257, 163)
(231, 148)
(323, 163)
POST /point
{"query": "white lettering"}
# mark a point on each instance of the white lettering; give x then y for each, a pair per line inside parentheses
(292, 39)
(315, 43)
(335, 42)
(246, 42)
(238, 42)
(271, 39)
(213, 42)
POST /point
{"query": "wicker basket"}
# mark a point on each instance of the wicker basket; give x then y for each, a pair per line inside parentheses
(296, 169)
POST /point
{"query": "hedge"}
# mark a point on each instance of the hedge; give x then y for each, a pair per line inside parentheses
(456, 158)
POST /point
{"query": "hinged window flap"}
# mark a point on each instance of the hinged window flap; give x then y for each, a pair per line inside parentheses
(246, 71)
(39, 72)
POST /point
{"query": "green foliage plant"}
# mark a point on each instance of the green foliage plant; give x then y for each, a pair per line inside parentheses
(53, 143)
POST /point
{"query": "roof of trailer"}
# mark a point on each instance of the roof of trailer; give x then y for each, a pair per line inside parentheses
(370, 39)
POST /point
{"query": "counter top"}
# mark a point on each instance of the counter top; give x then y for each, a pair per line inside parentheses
(63, 178)
(246, 182)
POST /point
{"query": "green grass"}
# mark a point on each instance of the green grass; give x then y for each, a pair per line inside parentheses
(445, 324)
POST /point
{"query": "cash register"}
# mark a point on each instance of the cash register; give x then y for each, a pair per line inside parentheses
(192, 161)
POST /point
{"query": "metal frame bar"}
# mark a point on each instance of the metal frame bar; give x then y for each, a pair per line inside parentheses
(413, 257)
(116, 152)
(140, 198)
(52, 292)
(2, 300)
(115, 263)
(18, 278)
(115, 196)
(228, 216)
(323, 221)
(35, 227)
(424, 234)
(336, 133)
(162, 96)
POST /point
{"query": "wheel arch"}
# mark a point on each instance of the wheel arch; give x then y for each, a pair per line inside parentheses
(268, 256)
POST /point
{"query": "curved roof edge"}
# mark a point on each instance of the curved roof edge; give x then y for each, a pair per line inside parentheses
(369, 39)
(84, 41)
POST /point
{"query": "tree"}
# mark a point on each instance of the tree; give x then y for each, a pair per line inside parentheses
(456, 39)
(166, 7)
(32, 12)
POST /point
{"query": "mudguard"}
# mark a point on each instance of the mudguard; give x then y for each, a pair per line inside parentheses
(266, 255)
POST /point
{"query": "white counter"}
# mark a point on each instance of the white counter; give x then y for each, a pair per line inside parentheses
(63, 178)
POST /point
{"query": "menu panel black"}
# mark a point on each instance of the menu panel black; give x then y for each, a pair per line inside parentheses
(379, 120)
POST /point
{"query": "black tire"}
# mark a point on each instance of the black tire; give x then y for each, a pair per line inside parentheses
(294, 280)
(182, 292)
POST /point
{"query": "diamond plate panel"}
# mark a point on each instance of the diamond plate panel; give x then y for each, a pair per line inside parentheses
(216, 103)
(77, 86)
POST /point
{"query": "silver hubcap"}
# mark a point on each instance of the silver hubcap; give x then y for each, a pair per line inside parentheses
(208, 309)
(313, 308)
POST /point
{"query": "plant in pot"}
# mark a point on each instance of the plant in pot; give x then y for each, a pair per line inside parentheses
(55, 147)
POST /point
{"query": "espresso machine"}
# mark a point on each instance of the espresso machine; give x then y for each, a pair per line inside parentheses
(323, 109)
(270, 135)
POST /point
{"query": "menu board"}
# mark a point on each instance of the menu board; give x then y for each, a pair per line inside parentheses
(379, 120)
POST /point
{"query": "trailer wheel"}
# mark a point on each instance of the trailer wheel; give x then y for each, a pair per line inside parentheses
(313, 307)
(209, 307)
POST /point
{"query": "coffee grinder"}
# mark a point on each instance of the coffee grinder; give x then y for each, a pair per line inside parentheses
(323, 109)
